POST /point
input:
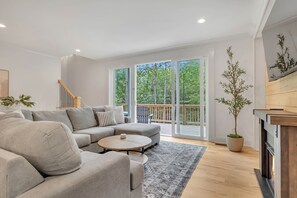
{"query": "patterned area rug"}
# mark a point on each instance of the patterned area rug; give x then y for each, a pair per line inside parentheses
(169, 168)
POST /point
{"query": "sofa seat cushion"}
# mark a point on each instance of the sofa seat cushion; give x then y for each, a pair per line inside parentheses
(55, 116)
(82, 118)
(97, 133)
(148, 130)
(136, 174)
(82, 140)
(48, 146)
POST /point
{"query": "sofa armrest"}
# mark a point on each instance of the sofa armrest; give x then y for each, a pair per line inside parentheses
(17, 175)
(127, 119)
(104, 176)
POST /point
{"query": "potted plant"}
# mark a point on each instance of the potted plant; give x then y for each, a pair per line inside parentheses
(235, 87)
(11, 103)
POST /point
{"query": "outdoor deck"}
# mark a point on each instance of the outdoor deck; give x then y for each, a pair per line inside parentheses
(189, 130)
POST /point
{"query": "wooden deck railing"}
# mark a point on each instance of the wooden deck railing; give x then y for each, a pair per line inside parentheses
(67, 98)
(162, 113)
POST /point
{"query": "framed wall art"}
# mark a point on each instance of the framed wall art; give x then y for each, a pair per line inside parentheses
(4, 83)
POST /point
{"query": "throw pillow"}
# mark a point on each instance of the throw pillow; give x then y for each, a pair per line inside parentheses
(106, 118)
(27, 114)
(119, 113)
(48, 146)
(12, 114)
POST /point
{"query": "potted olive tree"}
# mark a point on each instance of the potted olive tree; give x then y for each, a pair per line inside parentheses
(235, 87)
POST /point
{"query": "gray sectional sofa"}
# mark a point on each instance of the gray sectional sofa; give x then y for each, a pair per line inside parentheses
(83, 123)
(42, 159)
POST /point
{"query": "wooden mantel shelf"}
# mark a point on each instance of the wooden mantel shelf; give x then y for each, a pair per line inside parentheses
(277, 117)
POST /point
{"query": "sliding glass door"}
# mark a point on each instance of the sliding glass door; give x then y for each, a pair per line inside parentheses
(190, 100)
(171, 94)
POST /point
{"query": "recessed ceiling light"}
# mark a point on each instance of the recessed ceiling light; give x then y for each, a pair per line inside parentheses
(77, 50)
(2, 26)
(202, 20)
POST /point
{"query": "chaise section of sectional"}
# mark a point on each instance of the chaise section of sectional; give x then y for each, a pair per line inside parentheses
(149, 130)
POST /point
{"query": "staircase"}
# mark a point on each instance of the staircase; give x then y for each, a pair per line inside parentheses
(67, 98)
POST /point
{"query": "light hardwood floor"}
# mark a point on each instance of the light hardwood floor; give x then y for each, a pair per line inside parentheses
(221, 173)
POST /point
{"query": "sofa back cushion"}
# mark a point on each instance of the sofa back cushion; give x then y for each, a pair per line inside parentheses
(56, 116)
(82, 118)
(48, 146)
(98, 109)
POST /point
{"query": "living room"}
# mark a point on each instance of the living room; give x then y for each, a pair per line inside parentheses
(148, 98)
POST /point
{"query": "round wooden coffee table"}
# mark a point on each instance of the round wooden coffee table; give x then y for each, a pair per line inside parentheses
(133, 145)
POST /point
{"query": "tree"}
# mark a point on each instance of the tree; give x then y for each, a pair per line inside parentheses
(235, 86)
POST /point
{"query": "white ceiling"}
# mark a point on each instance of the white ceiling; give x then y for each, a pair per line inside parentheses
(281, 11)
(108, 28)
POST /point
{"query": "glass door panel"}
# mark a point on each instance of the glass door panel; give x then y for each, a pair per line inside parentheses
(122, 89)
(190, 98)
(154, 103)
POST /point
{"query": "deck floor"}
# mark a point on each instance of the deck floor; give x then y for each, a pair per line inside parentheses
(188, 130)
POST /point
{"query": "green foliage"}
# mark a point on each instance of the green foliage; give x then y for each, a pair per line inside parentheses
(23, 99)
(121, 86)
(154, 82)
(235, 86)
(284, 61)
(234, 136)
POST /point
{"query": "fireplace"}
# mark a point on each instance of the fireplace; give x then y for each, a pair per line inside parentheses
(266, 177)
(277, 153)
(269, 177)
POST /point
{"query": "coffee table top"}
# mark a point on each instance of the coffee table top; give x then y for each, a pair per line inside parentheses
(130, 143)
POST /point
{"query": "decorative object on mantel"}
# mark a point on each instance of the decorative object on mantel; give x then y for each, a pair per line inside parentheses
(4, 83)
(11, 103)
(235, 86)
(284, 60)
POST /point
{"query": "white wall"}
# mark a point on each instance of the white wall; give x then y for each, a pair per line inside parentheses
(32, 74)
(94, 88)
(82, 77)
(260, 84)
